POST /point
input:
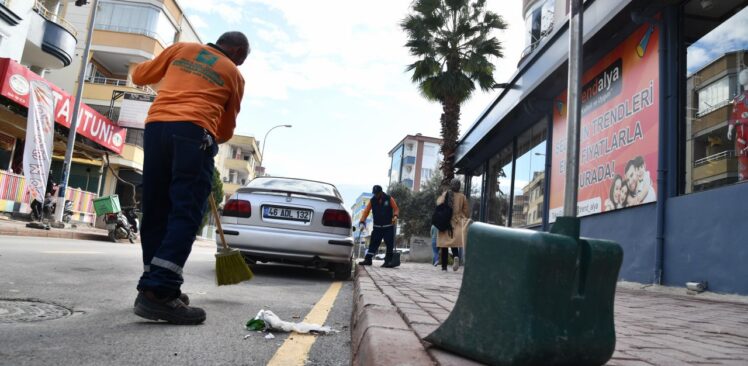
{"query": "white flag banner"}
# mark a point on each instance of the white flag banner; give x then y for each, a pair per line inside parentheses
(37, 153)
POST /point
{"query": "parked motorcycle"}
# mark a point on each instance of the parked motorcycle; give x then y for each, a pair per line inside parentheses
(122, 225)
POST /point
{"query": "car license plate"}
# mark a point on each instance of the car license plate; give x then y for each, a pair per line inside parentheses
(285, 213)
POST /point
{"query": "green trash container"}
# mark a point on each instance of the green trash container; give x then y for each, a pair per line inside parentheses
(534, 298)
(106, 204)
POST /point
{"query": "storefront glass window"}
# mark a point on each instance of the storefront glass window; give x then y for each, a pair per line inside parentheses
(716, 152)
(529, 182)
(476, 192)
(498, 187)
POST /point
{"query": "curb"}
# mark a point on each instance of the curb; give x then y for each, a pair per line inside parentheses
(53, 233)
(379, 334)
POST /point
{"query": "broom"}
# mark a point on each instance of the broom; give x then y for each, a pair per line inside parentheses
(230, 265)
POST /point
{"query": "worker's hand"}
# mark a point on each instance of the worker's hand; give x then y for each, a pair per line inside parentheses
(394, 220)
(362, 226)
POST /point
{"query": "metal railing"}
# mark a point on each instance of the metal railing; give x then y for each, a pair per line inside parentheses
(714, 157)
(52, 17)
(119, 82)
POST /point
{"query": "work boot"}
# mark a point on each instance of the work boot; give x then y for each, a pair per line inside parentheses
(366, 261)
(174, 311)
(182, 296)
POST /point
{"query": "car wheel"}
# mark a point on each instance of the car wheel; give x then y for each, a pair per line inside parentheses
(342, 272)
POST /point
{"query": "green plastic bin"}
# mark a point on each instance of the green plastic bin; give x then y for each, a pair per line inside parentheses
(106, 204)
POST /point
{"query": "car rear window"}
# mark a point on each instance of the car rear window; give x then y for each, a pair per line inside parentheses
(295, 185)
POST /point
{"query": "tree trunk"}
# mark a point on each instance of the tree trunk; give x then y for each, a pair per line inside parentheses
(450, 121)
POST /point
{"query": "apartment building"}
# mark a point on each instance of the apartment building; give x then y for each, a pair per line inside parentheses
(36, 39)
(237, 162)
(125, 34)
(710, 156)
(414, 160)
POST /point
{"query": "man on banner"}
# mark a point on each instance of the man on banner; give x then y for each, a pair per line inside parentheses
(37, 153)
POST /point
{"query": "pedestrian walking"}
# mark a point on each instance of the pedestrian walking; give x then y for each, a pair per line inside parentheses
(453, 239)
(434, 248)
(385, 212)
(198, 100)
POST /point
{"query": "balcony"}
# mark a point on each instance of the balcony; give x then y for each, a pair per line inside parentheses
(409, 160)
(239, 165)
(51, 40)
(715, 166)
(230, 188)
(100, 88)
(711, 117)
(126, 41)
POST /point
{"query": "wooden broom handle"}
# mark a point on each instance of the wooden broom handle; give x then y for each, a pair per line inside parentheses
(218, 220)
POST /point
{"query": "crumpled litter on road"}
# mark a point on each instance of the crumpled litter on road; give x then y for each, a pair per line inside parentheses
(267, 320)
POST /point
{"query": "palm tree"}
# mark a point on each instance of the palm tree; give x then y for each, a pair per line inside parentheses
(453, 41)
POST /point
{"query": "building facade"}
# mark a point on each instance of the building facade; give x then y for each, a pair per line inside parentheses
(237, 162)
(36, 38)
(125, 33)
(414, 160)
(657, 170)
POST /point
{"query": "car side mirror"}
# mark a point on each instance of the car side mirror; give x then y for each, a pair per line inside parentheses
(353, 227)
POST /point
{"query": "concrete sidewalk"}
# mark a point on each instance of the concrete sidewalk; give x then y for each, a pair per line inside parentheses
(80, 232)
(395, 309)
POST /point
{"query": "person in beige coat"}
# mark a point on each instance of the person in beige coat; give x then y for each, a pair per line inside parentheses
(460, 215)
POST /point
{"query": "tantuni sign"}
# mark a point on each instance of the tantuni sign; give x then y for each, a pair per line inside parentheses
(91, 124)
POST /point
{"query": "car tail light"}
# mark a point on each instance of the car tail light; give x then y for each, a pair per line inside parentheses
(336, 218)
(237, 208)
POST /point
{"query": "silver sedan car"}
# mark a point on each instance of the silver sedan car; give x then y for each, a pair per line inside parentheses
(289, 220)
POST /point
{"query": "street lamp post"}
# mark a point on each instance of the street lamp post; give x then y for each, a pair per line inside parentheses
(76, 110)
(264, 143)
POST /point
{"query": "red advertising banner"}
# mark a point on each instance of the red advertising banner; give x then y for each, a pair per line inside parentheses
(15, 86)
(619, 130)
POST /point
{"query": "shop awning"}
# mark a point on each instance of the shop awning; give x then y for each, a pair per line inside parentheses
(91, 124)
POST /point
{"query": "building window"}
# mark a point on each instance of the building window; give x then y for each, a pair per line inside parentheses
(138, 19)
(426, 175)
(396, 165)
(714, 151)
(715, 95)
(538, 23)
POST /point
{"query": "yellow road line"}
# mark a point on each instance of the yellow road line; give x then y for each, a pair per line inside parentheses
(295, 350)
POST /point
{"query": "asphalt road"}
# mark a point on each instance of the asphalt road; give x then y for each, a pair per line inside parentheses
(97, 280)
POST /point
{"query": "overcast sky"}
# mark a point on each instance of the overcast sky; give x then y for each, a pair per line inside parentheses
(335, 70)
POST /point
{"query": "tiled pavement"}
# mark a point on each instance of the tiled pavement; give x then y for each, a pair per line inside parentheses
(396, 308)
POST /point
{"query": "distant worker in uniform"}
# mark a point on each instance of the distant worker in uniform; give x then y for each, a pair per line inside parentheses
(199, 95)
(385, 211)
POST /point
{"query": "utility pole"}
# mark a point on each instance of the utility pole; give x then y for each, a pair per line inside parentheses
(574, 114)
(76, 112)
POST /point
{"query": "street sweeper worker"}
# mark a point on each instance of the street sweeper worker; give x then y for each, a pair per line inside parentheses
(385, 212)
(199, 93)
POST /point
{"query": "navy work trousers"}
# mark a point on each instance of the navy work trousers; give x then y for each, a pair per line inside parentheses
(379, 233)
(177, 179)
